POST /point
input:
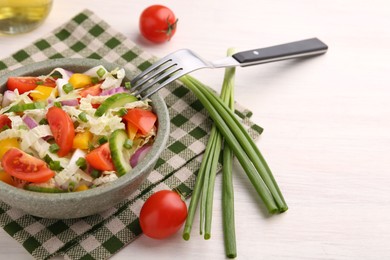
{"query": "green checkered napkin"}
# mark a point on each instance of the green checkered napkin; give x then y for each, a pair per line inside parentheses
(102, 235)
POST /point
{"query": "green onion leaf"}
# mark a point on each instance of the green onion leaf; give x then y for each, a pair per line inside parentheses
(83, 117)
(55, 166)
(54, 148)
(43, 121)
(101, 72)
(81, 163)
(95, 173)
(57, 104)
(227, 94)
(47, 158)
(244, 147)
(127, 85)
(67, 88)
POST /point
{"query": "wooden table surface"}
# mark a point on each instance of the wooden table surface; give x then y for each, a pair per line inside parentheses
(326, 121)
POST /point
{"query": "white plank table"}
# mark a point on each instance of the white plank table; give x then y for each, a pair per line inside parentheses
(326, 120)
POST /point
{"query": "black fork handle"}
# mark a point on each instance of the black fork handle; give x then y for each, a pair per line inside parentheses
(285, 51)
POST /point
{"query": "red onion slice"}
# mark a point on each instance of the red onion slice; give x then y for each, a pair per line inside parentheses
(30, 122)
(139, 155)
(109, 92)
(70, 102)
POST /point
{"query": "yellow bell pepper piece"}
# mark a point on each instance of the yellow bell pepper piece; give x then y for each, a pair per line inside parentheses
(82, 140)
(82, 187)
(79, 80)
(6, 177)
(131, 130)
(41, 93)
(6, 144)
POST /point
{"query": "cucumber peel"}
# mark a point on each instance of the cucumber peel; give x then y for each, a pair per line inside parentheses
(116, 141)
(117, 100)
(29, 106)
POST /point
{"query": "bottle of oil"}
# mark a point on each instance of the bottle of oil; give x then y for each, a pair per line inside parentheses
(19, 16)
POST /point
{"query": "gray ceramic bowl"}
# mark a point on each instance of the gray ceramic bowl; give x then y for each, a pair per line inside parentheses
(89, 202)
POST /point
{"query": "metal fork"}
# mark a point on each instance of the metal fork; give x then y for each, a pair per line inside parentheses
(184, 61)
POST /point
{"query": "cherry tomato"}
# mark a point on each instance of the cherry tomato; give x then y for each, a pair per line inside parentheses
(24, 84)
(100, 158)
(94, 90)
(62, 127)
(142, 119)
(157, 23)
(4, 121)
(163, 214)
(25, 167)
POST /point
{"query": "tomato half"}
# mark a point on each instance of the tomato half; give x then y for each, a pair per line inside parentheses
(62, 127)
(100, 158)
(25, 167)
(4, 121)
(157, 23)
(95, 90)
(24, 84)
(163, 214)
(142, 119)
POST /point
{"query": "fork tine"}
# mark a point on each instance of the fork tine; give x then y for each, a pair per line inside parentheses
(148, 85)
(163, 84)
(151, 68)
(153, 74)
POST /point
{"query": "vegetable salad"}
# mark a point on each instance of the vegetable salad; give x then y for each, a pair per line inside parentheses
(67, 131)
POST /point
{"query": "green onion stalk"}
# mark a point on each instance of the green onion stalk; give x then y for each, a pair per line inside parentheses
(227, 95)
(211, 163)
(243, 147)
(207, 175)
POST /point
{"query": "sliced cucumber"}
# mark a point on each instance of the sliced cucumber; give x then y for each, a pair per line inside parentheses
(117, 100)
(116, 141)
(29, 106)
(42, 188)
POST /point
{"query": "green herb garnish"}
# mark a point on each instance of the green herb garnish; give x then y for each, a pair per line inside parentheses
(54, 148)
(81, 163)
(67, 88)
(243, 147)
(100, 72)
(55, 165)
(83, 117)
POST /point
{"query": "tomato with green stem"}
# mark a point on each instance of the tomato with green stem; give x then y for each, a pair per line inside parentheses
(25, 167)
(24, 84)
(163, 214)
(100, 158)
(61, 125)
(158, 23)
